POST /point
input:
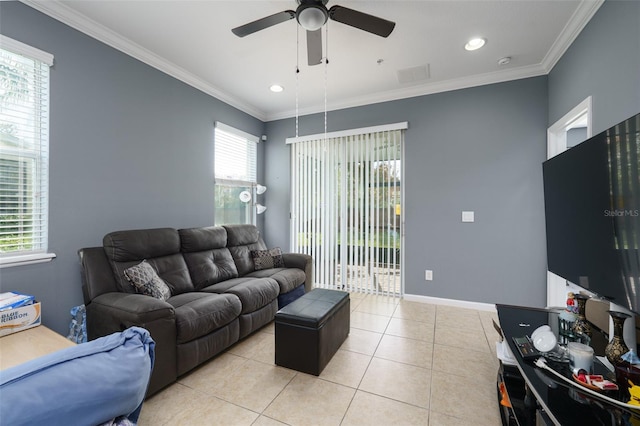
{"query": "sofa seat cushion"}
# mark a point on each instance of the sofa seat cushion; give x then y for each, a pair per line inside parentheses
(254, 293)
(287, 278)
(198, 313)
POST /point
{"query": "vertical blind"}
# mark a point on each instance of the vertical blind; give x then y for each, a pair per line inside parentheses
(346, 209)
(24, 148)
(623, 141)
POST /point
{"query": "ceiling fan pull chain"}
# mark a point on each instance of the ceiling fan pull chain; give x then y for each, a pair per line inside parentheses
(326, 68)
(326, 43)
(297, 73)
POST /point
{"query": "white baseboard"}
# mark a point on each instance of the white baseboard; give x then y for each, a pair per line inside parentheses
(451, 302)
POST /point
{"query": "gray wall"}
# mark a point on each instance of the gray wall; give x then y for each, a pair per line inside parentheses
(481, 149)
(476, 149)
(603, 62)
(130, 148)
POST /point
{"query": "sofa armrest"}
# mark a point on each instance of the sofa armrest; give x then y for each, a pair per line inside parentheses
(113, 312)
(97, 275)
(301, 261)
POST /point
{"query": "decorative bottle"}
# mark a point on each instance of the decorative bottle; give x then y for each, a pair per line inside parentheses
(616, 346)
(581, 326)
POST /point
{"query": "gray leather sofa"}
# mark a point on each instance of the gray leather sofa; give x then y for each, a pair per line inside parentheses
(217, 296)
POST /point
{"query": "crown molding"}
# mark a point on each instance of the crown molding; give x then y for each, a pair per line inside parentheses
(570, 32)
(82, 23)
(577, 22)
(68, 16)
(421, 90)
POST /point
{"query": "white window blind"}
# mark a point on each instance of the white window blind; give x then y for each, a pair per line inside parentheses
(24, 153)
(235, 156)
(235, 173)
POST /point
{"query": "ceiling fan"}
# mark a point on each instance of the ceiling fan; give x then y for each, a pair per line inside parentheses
(312, 15)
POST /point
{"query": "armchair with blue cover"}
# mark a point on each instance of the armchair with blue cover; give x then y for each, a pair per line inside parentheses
(102, 382)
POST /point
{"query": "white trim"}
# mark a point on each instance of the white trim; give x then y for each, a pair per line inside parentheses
(59, 11)
(577, 22)
(420, 90)
(20, 48)
(237, 132)
(26, 259)
(488, 307)
(80, 22)
(557, 133)
(350, 132)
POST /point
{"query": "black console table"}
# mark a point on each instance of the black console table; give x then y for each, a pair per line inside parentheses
(539, 398)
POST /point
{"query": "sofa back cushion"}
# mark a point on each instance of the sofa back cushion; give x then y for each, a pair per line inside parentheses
(207, 257)
(200, 239)
(159, 247)
(241, 241)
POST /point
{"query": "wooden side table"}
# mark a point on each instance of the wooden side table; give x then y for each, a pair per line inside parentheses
(29, 344)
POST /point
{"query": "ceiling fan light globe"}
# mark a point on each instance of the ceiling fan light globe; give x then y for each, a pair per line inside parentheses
(311, 18)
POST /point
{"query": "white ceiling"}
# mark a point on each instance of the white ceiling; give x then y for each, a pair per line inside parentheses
(192, 41)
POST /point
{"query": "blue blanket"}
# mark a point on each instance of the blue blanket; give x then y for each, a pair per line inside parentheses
(88, 384)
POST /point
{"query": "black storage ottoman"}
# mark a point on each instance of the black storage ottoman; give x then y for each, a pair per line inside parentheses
(310, 330)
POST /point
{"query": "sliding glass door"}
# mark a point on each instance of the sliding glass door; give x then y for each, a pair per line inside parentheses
(347, 209)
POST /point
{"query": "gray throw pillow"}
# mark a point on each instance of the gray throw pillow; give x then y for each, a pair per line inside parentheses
(146, 281)
(267, 259)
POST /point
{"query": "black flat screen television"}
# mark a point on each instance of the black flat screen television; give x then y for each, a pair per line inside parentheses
(592, 213)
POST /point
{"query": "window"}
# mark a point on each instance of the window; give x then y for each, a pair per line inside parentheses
(24, 153)
(235, 171)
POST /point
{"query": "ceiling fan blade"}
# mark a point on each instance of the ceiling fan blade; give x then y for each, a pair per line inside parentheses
(263, 23)
(363, 21)
(314, 47)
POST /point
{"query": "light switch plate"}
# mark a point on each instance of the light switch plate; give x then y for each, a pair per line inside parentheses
(468, 216)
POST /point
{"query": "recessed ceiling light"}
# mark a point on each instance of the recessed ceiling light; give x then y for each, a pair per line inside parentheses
(276, 88)
(475, 44)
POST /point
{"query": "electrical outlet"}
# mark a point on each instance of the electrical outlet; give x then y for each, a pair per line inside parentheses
(428, 275)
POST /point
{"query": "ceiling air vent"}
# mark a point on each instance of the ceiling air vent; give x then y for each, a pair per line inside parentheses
(413, 74)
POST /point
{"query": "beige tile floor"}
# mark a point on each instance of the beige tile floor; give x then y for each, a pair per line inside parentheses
(404, 363)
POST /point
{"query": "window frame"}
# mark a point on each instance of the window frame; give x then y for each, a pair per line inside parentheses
(40, 153)
(234, 181)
